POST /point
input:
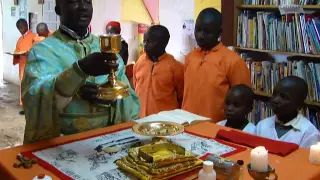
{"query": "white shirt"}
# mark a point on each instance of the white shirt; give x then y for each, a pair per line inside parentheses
(250, 128)
(303, 132)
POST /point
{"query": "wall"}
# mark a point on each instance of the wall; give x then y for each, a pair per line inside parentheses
(172, 13)
(1, 47)
(110, 10)
(11, 35)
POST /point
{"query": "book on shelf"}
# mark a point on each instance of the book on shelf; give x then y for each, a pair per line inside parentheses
(296, 33)
(262, 110)
(281, 2)
(178, 116)
(266, 74)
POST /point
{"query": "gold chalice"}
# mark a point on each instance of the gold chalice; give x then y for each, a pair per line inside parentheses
(268, 175)
(113, 89)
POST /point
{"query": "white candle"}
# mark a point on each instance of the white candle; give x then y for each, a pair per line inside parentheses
(259, 159)
(314, 156)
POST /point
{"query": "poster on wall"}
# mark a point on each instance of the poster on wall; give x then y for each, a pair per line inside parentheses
(188, 42)
(23, 11)
(153, 9)
(136, 11)
(13, 11)
(142, 28)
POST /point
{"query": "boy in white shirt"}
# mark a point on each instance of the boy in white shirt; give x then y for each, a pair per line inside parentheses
(288, 125)
(238, 104)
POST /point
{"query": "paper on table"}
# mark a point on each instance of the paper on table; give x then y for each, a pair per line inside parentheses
(178, 116)
(185, 116)
(16, 53)
(158, 117)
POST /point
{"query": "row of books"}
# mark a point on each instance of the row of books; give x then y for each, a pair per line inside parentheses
(262, 110)
(265, 75)
(298, 33)
(281, 2)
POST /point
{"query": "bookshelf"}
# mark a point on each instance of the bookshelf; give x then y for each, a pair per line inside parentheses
(274, 7)
(278, 52)
(263, 39)
(268, 95)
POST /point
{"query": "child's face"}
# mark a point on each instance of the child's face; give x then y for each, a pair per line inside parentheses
(285, 99)
(152, 45)
(235, 107)
(23, 28)
(206, 33)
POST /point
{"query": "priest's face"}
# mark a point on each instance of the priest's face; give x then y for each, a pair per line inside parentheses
(75, 14)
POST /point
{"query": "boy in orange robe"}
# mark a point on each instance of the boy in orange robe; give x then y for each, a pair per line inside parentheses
(24, 44)
(157, 76)
(211, 70)
(43, 32)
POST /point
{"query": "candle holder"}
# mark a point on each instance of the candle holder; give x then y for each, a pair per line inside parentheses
(268, 175)
(113, 89)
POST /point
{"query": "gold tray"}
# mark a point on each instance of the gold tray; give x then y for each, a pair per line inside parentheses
(158, 128)
(158, 152)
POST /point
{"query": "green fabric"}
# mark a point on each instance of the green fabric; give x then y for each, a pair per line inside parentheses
(50, 69)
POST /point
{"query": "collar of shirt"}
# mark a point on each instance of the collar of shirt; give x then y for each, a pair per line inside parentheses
(26, 34)
(216, 48)
(295, 123)
(159, 58)
(73, 34)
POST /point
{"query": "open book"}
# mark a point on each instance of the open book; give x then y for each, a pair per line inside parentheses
(177, 116)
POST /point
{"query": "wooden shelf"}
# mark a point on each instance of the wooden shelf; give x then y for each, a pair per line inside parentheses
(277, 52)
(274, 7)
(264, 94)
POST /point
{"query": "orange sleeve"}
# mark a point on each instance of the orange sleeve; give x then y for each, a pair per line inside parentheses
(16, 59)
(134, 75)
(186, 61)
(179, 80)
(239, 73)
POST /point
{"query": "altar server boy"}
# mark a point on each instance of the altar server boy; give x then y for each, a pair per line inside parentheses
(158, 78)
(211, 70)
(288, 125)
(238, 104)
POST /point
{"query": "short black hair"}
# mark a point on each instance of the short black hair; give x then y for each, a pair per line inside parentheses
(160, 32)
(21, 21)
(246, 93)
(215, 15)
(299, 85)
(42, 24)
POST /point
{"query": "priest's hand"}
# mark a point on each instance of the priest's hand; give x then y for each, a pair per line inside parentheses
(89, 92)
(97, 64)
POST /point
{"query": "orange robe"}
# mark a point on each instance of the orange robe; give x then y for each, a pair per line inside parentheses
(38, 38)
(158, 85)
(208, 77)
(24, 44)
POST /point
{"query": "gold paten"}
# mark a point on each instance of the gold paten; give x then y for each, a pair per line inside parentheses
(113, 89)
(158, 128)
(161, 152)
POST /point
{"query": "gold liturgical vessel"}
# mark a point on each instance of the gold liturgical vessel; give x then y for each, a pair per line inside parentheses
(113, 89)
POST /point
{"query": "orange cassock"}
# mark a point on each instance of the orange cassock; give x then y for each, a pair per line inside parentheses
(158, 85)
(208, 78)
(24, 44)
(37, 39)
